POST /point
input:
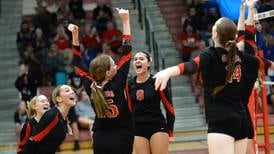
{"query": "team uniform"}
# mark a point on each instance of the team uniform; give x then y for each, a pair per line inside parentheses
(48, 134)
(147, 114)
(25, 134)
(112, 134)
(225, 112)
(251, 73)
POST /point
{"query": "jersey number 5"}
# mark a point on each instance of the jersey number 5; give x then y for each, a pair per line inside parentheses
(114, 112)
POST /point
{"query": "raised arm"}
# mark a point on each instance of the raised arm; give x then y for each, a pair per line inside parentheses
(251, 11)
(77, 57)
(241, 20)
(125, 49)
(163, 76)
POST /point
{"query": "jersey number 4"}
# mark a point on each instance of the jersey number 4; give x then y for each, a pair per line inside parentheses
(236, 74)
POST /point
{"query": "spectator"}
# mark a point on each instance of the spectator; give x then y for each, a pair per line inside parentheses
(24, 36)
(187, 42)
(41, 44)
(74, 80)
(34, 62)
(43, 19)
(54, 63)
(62, 12)
(27, 86)
(112, 36)
(20, 117)
(92, 45)
(77, 10)
(61, 38)
(84, 111)
(101, 14)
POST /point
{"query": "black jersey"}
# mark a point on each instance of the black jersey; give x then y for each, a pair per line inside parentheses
(146, 103)
(212, 64)
(114, 91)
(25, 134)
(48, 134)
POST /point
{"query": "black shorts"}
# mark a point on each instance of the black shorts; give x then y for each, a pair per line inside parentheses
(234, 127)
(118, 141)
(147, 129)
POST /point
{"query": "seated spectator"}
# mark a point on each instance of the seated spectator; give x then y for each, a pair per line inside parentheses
(24, 36)
(62, 12)
(74, 80)
(187, 42)
(101, 14)
(212, 16)
(20, 117)
(54, 63)
(112, 36)
(91, 39)
(106, 49)
(84, 111)
(43, 19)
(92, 45)
(67, 54)
(77, 10)
(40, 44)
(61, 39)
(26, 85)
(34, 62)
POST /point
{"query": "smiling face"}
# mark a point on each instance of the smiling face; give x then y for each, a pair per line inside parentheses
(141, 63)
(66, 96)
(41, 105)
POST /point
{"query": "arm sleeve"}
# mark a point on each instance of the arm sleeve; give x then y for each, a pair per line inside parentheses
(78, 65)
(24, 135)
(124, 61)
(190, 67)
(170, 112)
(48, 121)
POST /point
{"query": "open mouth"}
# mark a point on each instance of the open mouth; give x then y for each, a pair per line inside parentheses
(46, 108)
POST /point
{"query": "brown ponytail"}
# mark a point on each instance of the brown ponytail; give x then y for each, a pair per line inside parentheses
(97, 69)
(99, 101)
(226, 30)
(232, 49)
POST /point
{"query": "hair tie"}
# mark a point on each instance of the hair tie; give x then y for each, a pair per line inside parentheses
(94, 84)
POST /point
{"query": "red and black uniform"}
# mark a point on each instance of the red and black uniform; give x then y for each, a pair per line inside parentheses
(112, 134)
(225, 112)
(25, 134)
(48, 134)
(147, 114)
(251, 73)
